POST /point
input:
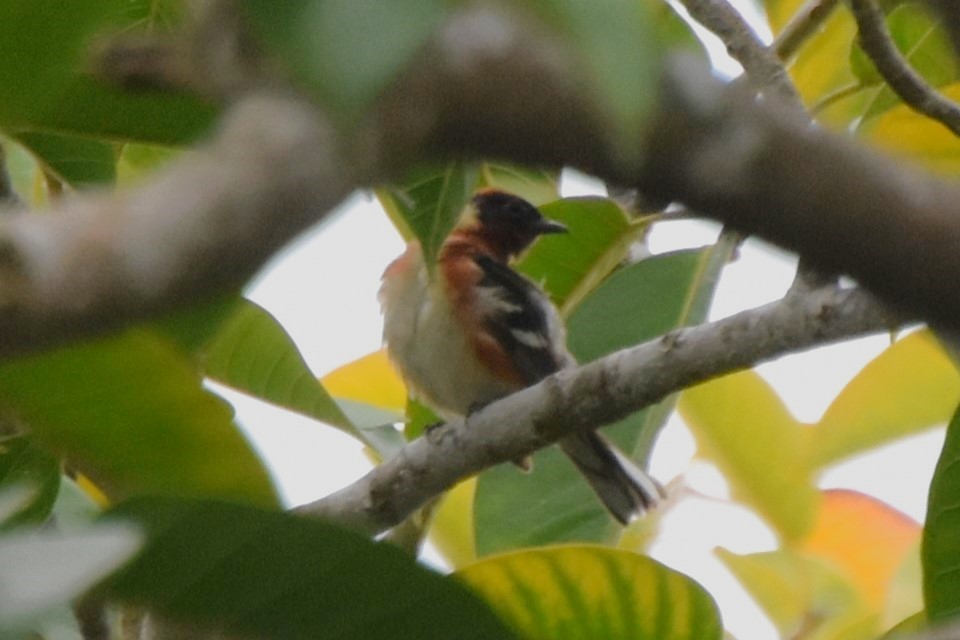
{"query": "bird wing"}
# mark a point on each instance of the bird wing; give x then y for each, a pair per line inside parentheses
(519, 315)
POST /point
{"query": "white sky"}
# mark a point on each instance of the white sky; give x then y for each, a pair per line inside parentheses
(323, 291)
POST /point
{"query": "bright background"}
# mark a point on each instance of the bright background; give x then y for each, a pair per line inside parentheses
(323, 291)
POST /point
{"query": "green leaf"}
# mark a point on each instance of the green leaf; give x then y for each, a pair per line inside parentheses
(195, 327)
(253, 353)
(940, 548)
(157, 15)
(642, 301)
(574, 592)
(45, 570)
(923, 43)
(130, 413)
(427, 205)
(673, 31)
(268, 574)
(24, 464)
(139, 160)
(908, 628)
(909, 387)
(618, 47)
(819, 68)
(44, 84)
(537, 186)
(22, 168)
(345, 51)
(743, 427)
(79, 162)
(553, 503)
(419, 417)
(571, 265)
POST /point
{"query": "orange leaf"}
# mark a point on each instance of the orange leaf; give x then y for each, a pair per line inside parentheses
(866, 539)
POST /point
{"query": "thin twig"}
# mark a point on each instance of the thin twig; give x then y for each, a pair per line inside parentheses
(909, 85)
(763, 67)
(951, 19)
(592, 395)
(760, 62)
(835, 96)
(802, 25)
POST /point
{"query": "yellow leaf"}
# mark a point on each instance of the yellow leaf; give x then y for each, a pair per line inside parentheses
(905, 594)
(586, 591)
(779, 12)
(804, 595)
(820, 68)
(452, 531)
(865, 538)
(743, 427)
(777, 580)
(907, 134)
(371, 380)
(911, 386)
(92, 491)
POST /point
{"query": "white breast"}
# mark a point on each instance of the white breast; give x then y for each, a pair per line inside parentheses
(429, 345)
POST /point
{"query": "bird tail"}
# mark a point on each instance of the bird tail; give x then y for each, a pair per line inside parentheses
(625, 489)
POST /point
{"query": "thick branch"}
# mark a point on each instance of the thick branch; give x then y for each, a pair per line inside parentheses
(201, 228)
(902, 78)
(842, 207)
(594, 394)
(209, 222)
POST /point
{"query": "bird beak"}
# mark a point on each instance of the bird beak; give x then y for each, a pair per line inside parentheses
(550, 226)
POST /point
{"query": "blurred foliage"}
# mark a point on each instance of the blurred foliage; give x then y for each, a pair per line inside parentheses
(125, 423)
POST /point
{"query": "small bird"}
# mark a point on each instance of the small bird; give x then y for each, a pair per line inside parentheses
(478, 331)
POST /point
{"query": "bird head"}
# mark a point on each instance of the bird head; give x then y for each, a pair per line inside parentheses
(509, 223)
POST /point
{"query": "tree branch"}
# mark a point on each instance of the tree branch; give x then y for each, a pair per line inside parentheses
(592, 395)
(951, 19)
(206, 224)
(201, 228)
(842, 207)
(905, 82)
(802, 26)
(760, 62)
(764, 69)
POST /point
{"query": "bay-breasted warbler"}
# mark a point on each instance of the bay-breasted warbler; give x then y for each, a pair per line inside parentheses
(478, 330)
